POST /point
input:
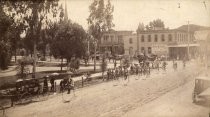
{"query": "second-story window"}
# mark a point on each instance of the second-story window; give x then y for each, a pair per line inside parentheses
(130, 41)
(156, 38)
(149, 38)
(106, 38)
(169, 37)
(163, 37)
(120, 38)
(142, 38)
(112, 38)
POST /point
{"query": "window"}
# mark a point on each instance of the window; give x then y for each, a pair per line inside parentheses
(130, 41)
(112, 37)
(149, 50)
(120, 38)
(142, 38)
(149, 38)
(169, 37)
(163, 37)
(142, 49)
(156, 38)
(106, 38)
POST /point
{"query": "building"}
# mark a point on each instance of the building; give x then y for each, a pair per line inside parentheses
(203, 39)
(171, 43)
(112, 42)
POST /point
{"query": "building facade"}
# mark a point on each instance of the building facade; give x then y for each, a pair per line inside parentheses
(112, 42)
(170, 43)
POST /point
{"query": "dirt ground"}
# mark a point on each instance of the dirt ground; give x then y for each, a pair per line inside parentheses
(118, 98)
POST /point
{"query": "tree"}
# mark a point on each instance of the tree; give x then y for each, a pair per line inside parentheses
(15, 31)
(103, 66)
(69, 41)
(5, 24)
(158, 23)
(140, 28)
(100, 19)
(34, 14)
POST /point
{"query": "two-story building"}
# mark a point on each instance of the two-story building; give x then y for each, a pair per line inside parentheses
(112, 42)
(171, 43)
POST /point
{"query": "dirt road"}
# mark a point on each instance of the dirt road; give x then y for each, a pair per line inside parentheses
(109, 98)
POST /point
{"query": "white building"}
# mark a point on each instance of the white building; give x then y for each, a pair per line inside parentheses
(172, 43)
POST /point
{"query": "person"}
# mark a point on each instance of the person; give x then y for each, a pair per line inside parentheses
(117, 73)
(115, 64)
(52, 81)
(45, 88)
(126, 74)
(164, 65)
(108, 74)
(70, 85)
(61, 86)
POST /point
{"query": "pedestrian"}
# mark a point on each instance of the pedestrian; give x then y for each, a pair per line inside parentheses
(62, 85)
(70, 85)
(52, 82)
(45, 88)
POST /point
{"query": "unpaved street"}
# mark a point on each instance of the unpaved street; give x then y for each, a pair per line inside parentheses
(114, 98)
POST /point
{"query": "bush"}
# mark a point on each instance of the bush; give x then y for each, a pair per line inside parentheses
(42, 59)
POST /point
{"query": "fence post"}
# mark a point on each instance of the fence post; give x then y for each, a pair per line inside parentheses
(82, 82)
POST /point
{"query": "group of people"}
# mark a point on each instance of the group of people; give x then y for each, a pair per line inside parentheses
(67, 84)
(52, 82)
(117, 72)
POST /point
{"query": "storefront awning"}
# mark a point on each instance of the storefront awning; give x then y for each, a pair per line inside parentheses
(184, 45)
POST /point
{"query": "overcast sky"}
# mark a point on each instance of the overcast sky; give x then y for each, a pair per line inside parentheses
(128, 13)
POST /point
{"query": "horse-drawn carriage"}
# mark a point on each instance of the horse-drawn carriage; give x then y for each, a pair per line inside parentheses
(201, 89)
(25, 90)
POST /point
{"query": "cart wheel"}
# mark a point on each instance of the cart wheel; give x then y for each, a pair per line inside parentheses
(25, 98)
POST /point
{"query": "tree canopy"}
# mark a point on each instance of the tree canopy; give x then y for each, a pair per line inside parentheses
(158, 23)
(69, 41)
(100, 18)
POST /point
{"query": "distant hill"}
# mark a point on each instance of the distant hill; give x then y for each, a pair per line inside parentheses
(193, 27)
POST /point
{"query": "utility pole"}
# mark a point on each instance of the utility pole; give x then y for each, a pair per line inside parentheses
(188, 40)
(95, 44)
(34, 62)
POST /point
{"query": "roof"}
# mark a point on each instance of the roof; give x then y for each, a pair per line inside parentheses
(203, 78)
(163, 31)
(183, 45)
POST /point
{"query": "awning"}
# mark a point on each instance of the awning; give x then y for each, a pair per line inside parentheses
(184, 45)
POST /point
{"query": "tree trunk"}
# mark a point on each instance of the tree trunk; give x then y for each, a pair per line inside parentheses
(44, 52)
(62, 64)
(103, 75)
(15, 54)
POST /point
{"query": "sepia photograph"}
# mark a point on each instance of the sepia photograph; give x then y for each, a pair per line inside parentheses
(104, 58)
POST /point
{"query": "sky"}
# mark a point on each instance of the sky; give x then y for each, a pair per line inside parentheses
(129, 13)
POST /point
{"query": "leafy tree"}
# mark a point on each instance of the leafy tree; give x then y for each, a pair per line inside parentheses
(140, 27)
(5, 24)
(15, 31)
(34, 14)
(158, 23)
(100, 19)
(69, 41)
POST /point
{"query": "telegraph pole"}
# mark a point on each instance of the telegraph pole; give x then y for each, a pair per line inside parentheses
(188, 40)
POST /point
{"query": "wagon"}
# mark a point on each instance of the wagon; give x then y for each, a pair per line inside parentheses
(201, 89)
